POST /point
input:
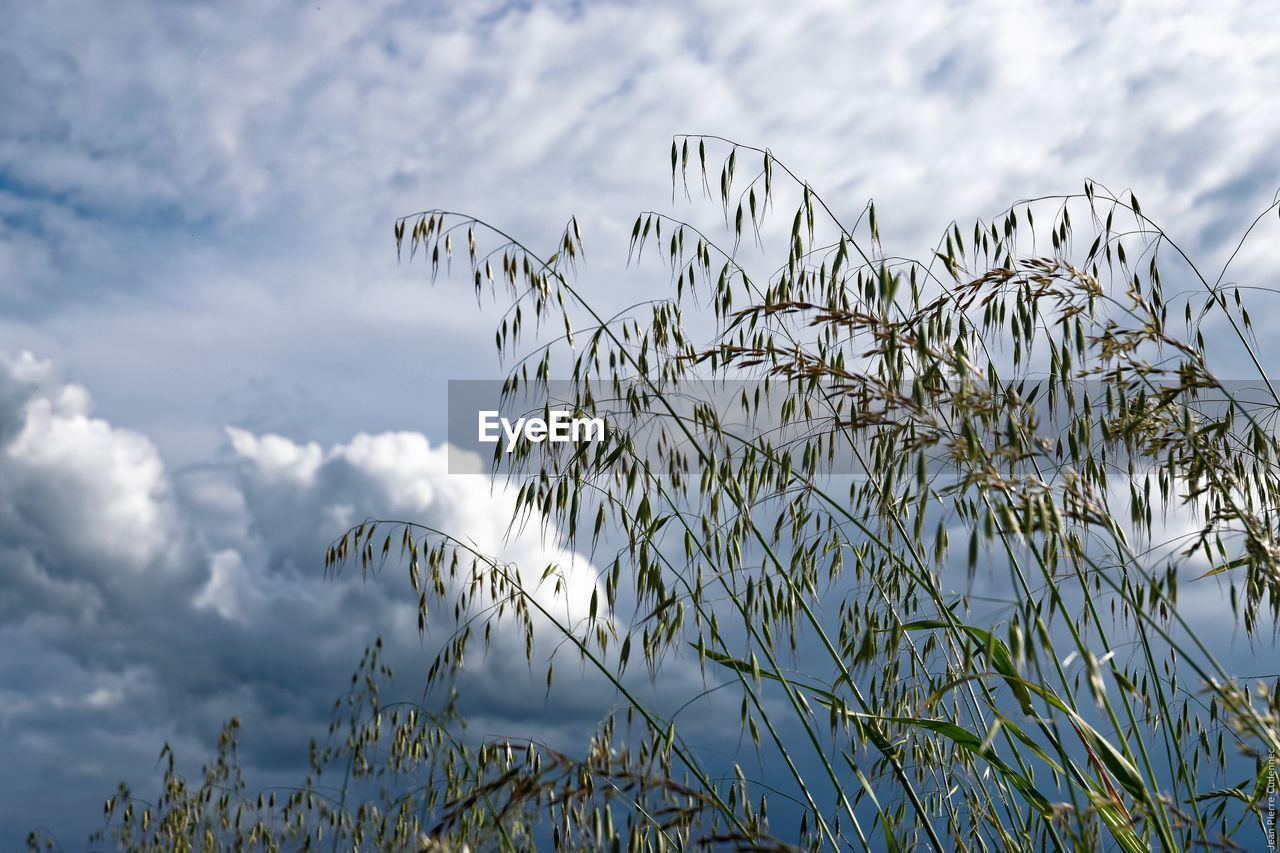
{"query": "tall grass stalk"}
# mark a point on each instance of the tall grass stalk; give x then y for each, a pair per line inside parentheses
(1016, 405)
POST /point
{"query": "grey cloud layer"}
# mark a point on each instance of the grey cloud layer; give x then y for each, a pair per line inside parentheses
(139, 604)
(216, 184)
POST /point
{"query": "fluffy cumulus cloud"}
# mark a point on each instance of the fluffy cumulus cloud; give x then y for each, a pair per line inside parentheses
(84, 508)
(140, 602)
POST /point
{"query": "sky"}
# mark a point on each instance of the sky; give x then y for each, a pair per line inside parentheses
(211, 361)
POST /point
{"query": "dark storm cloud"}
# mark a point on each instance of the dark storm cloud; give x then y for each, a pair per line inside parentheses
(138, 605)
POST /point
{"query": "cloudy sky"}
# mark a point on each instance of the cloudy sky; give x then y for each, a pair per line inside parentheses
(210, 360)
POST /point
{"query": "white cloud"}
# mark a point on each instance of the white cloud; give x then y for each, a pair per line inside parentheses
(136, 600)
(398, 476)
(278, 458)
(107, 484)
(25, 368)
(229, 585)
